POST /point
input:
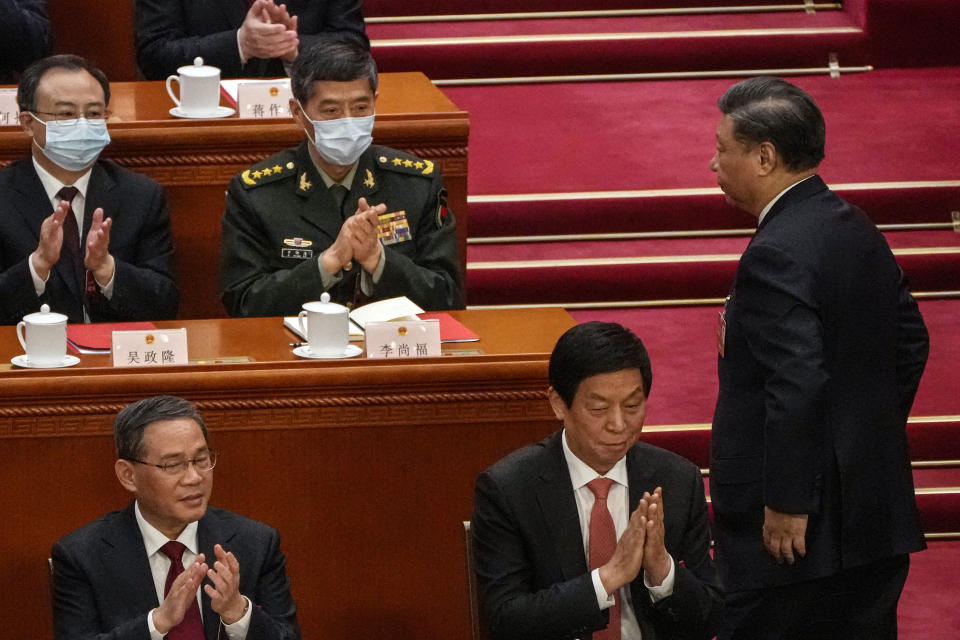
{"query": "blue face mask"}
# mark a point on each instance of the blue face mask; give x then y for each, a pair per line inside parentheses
(75, 144)
(341, 141)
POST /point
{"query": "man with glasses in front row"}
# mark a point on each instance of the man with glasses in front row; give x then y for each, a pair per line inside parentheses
(169, 566)
(104, 254)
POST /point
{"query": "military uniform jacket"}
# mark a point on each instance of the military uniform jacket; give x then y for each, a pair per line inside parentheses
(280, 217)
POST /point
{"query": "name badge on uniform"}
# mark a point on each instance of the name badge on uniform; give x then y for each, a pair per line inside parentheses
(296, 248)
(393, 227)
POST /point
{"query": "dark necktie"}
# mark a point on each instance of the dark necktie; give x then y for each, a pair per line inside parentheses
(70, 249)
(191, 627)
(603, 541)
(339, 193)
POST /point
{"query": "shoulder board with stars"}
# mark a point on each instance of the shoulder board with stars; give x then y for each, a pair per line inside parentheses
(267, 172)
(405, 164)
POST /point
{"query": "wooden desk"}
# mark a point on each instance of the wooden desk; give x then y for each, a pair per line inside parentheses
(195, 159)
(365, 466)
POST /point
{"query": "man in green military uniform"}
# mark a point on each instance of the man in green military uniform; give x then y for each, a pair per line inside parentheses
(336, 214)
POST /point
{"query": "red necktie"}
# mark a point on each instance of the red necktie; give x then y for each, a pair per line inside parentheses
(70, 249)
(603, 541)
(191, 628)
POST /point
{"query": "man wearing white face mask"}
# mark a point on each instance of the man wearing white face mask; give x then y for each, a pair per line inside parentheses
(336, 213)
(105, 253)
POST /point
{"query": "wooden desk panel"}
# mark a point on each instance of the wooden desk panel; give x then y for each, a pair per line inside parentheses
(366, 467)
(195, 160)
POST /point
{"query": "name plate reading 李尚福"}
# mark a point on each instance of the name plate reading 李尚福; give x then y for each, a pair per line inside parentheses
(9, 111)
(403, 339)
(149, 348)
(264, 98)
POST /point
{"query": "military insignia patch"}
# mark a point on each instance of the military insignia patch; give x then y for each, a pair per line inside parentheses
(407, 164)
(298, 242)
(370, 183)
(393, 227)
(265, 174)
(442, 211)
(297, 254)
(305, 185)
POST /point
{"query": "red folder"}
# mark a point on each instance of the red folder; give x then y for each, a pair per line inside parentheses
(451, 329)
(95, 338)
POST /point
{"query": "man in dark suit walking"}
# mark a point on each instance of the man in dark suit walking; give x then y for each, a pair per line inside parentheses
(590, 531)
(243, 38)
(104, 254)
(149, 570)
(821, 352)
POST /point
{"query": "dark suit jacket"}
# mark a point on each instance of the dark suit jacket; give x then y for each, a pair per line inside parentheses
(24, 36)
(171, 33)
(533, 576)
(103, 588)
(824, 351)
(143, 287)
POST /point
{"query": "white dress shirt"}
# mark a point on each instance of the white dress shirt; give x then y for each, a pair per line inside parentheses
(770, 204)
(52, 188)
(618, 503)
(160, 566)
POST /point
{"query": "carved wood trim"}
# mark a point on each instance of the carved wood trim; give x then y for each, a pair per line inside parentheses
(83, 419)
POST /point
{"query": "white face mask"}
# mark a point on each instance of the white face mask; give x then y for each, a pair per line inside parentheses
(75, 144)
(341, 141)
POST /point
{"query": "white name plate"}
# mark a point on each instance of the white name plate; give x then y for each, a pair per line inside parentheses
(264, 98)
(9, 111)
(403, 339)
(149, 347)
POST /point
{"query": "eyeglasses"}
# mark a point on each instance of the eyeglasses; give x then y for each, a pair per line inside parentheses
(202, 463)
(69, 114)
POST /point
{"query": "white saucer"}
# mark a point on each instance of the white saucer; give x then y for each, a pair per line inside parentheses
(351, 351)
(221, 112)
(23, 361)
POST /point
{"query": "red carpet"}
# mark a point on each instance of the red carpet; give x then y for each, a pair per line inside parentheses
(673, 247)
(928, 607)
(376, 8)
(661, 270)
(660, 135)
(642, 44)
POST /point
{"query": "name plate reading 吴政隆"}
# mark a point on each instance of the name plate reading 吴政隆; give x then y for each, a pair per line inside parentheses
(149, 348)
(264, 98)
(403, 339)
(9, 111)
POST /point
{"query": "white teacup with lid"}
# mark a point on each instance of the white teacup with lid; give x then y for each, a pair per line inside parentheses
(44, 337)
(327, 327)
(199, 89)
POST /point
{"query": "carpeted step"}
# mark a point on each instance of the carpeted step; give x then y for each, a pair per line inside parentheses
(634, 156)
(918, 33)
(928, 605)
(386, 8)
(616, 45)
(925, 203)
(660, 271)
